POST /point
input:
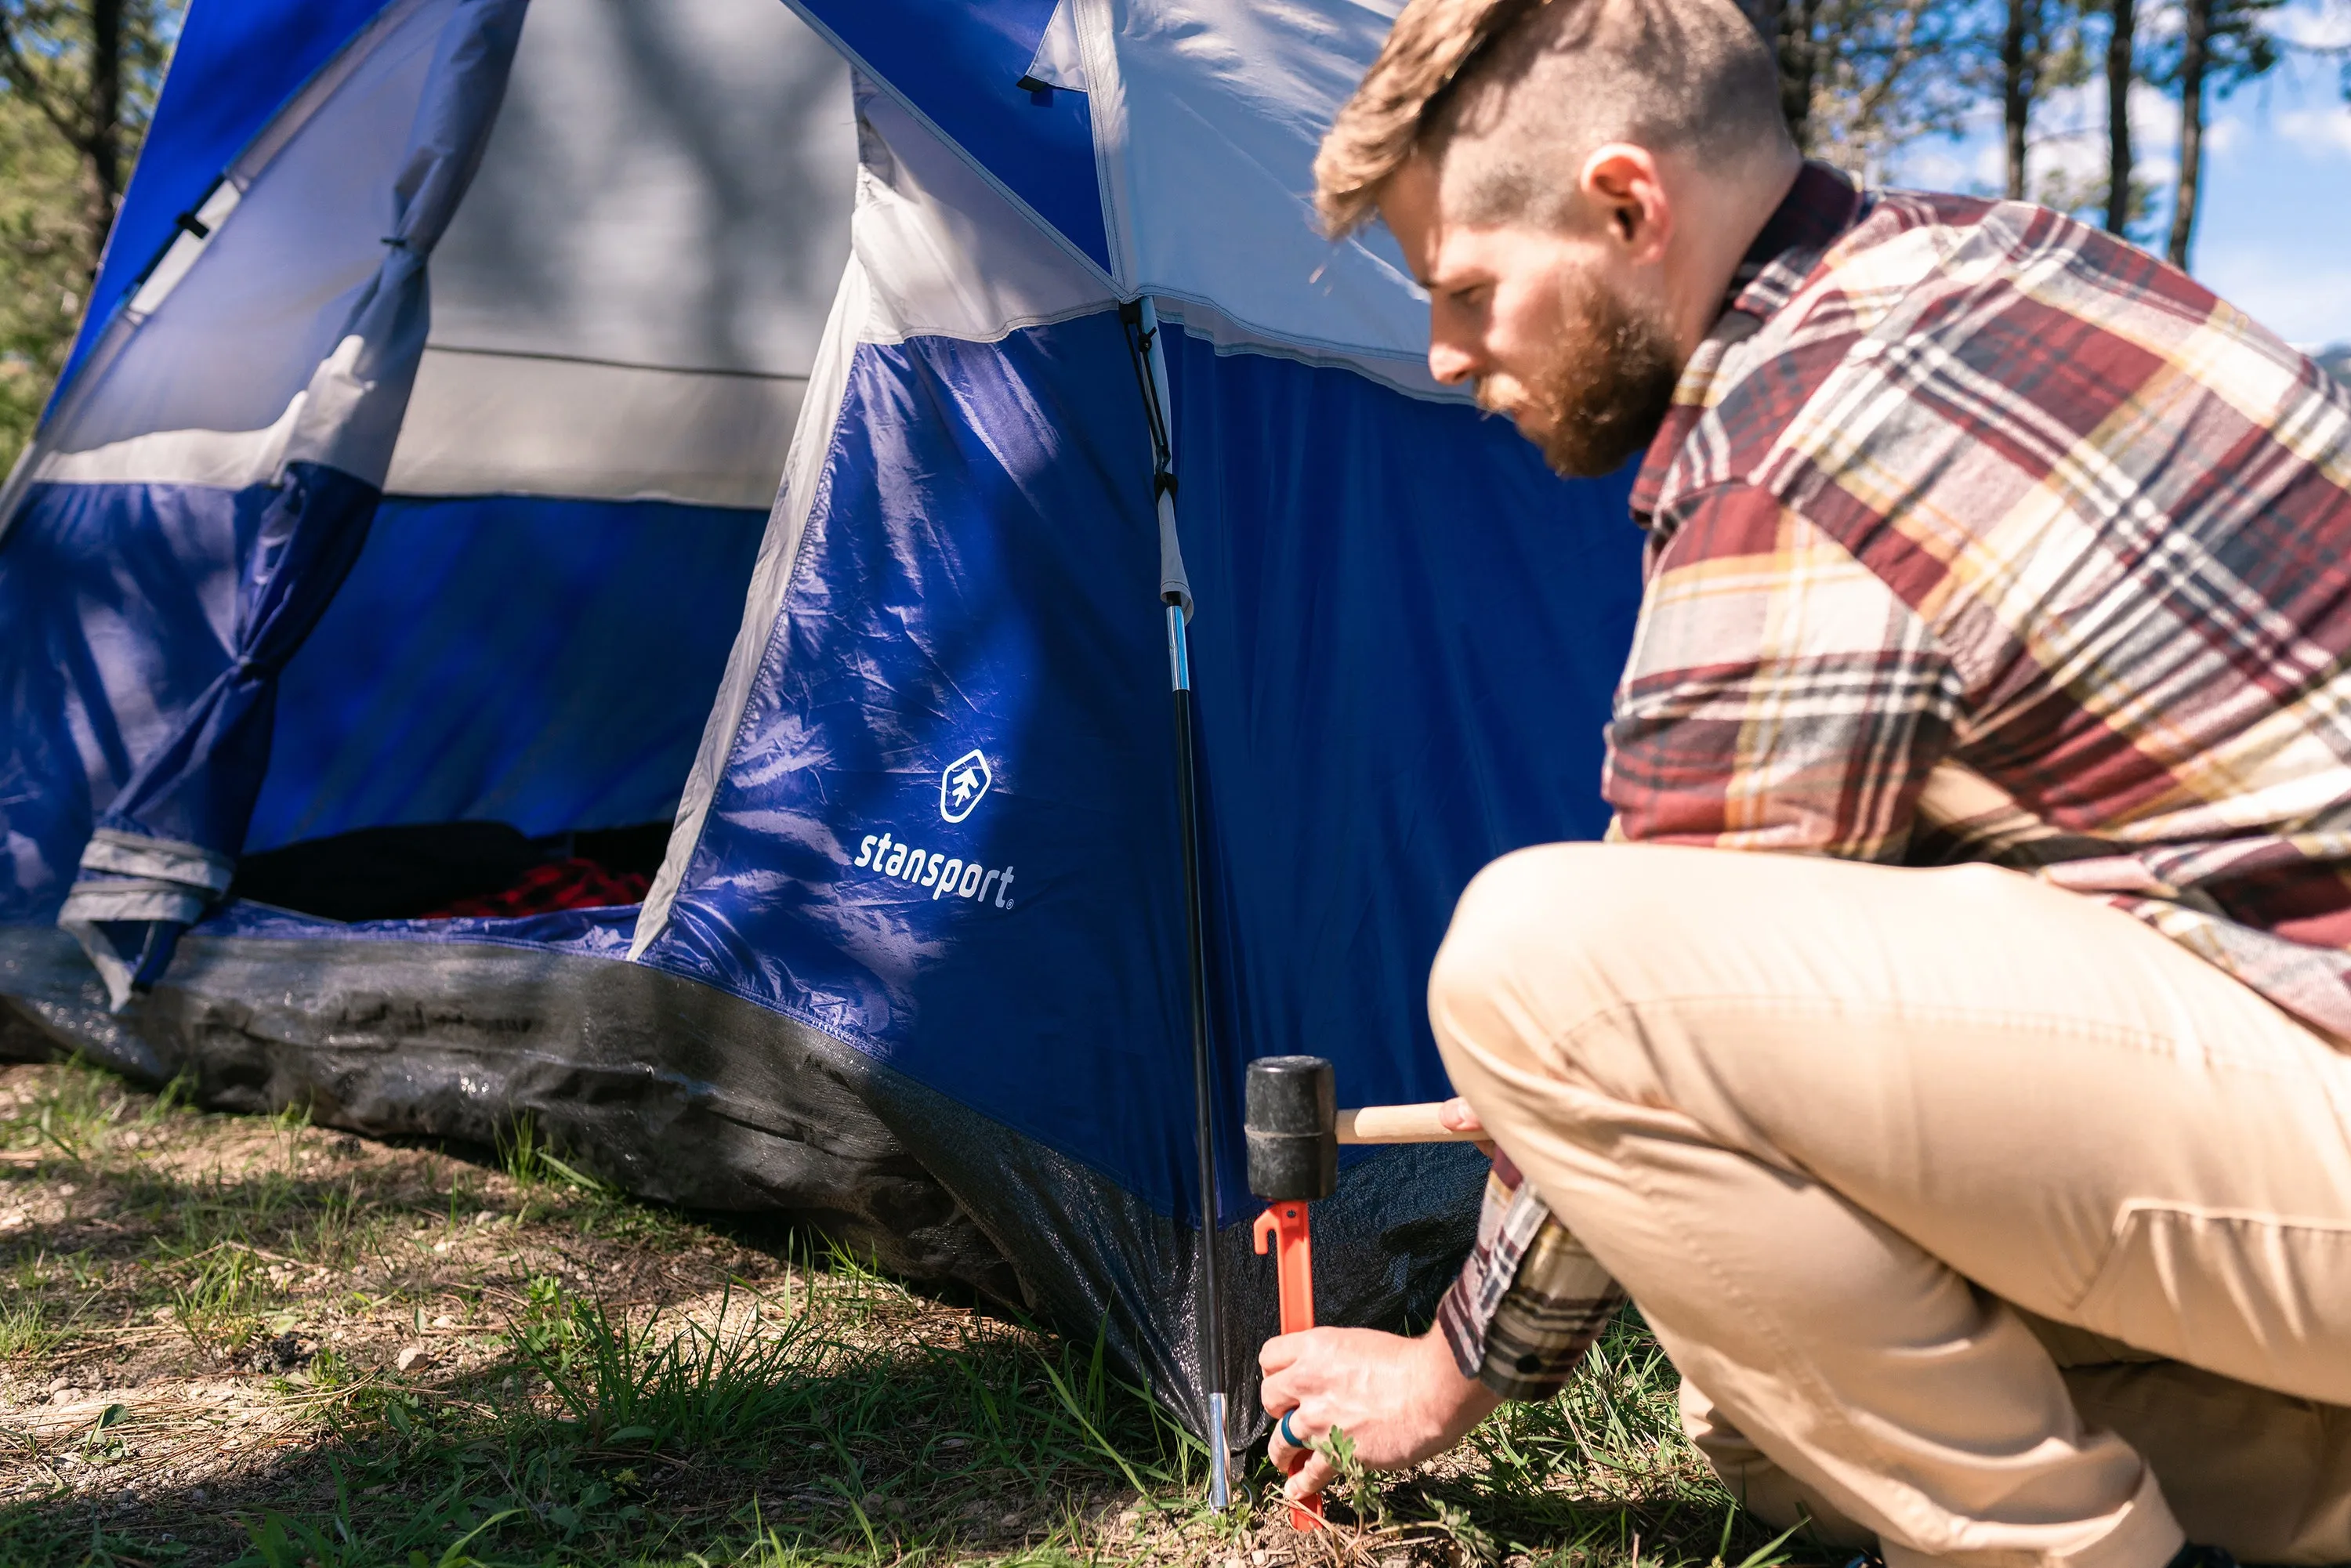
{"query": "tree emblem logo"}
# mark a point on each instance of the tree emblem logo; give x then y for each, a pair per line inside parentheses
(963, 784)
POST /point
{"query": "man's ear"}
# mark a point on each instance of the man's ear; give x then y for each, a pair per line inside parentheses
(1620, 184)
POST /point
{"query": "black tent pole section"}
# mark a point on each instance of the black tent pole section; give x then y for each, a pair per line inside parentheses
(1204, 1133)
(1142, 323)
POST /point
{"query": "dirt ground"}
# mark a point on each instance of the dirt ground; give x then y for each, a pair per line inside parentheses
(253, 1340)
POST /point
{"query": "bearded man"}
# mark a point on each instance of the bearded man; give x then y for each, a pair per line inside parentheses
(1948, 1052)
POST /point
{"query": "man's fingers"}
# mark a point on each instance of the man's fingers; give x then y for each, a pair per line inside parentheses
(1310, 1478)
(1456, 1116)
(1276, 1393)
(1283, 1453)
(1286, 1350)
(1293, 1368)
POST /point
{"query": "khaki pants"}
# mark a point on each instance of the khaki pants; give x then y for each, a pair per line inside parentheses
(1875, 1150)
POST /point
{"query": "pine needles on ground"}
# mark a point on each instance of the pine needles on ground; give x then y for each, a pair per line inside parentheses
(249, 1340)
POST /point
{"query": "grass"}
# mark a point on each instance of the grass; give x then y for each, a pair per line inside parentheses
(252, 1341)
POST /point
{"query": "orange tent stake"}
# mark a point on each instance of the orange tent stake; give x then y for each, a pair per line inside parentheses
(1284, 1226)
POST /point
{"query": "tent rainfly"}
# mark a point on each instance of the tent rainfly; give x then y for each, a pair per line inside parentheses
(415, 708)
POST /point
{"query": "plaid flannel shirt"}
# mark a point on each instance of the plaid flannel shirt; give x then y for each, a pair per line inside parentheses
(1976, 534)
(1529, 1301)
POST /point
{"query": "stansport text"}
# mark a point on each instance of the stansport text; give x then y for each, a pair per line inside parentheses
(943, 875)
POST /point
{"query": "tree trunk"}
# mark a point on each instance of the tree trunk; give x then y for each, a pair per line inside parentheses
(2194, 53)
(1764, 16)
(1786, 27)
(2016, 86)
(1795, 48)
(103, 152)
(2122, 48)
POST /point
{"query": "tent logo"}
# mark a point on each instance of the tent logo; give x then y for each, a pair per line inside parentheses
(963, 784)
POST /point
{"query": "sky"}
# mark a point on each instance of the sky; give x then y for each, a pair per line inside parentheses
(2273, 235)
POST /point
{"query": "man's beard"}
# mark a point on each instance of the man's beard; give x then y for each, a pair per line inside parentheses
(1600, 395)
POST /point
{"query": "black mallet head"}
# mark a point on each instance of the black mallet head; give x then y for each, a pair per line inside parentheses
(1291, 1120)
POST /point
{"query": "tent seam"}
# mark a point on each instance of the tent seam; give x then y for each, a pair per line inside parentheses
(859, 63)
(763, 607)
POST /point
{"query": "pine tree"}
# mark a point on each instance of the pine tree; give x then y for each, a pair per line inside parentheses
(2223, 44)
(1858, 79)
(78, 82)
(44, 267)
(2122, 71)
(2035, 49)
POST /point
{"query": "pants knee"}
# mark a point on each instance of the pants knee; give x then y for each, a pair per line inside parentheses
(1532, 941)
(1558, 904)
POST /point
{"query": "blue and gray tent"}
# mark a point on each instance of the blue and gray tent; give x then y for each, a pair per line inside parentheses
(409, 514)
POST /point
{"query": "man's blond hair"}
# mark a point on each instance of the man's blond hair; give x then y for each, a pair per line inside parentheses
(1524, 89)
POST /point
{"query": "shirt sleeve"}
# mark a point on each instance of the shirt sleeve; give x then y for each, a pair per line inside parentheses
(1529, 1300)
(1779, 695)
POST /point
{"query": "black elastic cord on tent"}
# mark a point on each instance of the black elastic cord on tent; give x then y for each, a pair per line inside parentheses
(1139, 343)
(187, 223)
(1142, 344)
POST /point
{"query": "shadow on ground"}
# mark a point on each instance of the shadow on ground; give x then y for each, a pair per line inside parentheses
(243, 1340)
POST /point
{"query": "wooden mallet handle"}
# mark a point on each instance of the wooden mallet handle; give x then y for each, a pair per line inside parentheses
(1399, 1124)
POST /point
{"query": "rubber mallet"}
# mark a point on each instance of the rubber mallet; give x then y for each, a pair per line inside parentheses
(1291, 1118)
(1294, 1129)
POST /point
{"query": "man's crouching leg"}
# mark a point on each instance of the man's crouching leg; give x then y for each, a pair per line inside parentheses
(1823, 1120)
(2268, 1473)
(1765, 1490)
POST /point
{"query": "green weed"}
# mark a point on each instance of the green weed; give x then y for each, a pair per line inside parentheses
(175, 1098)
(24, 1328)
(518, 1147)
(32, 1534)
(219, 1308)
(29, 1323)
(337, 1230)
(700, 1387)
(529, 1161)
(1362, 1490)
(71, 1117)
(1095, 1405)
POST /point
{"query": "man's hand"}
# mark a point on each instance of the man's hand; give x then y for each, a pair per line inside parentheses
(1400, 1400)
(1455, 1116)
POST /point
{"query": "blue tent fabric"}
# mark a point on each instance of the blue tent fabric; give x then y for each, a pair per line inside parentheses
(1413, 637)
(542, 661)
(197, 787)
(232, 67)
(915, 964)
(585, 933)
(950, 606)
(160, 852)
(1380, 578)
(958, 63)
(119, 602)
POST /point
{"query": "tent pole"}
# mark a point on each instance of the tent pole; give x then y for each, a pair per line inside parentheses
(1204, 1133)
(1141, 319)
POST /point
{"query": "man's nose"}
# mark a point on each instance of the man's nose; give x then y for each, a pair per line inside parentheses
(1449, 362)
